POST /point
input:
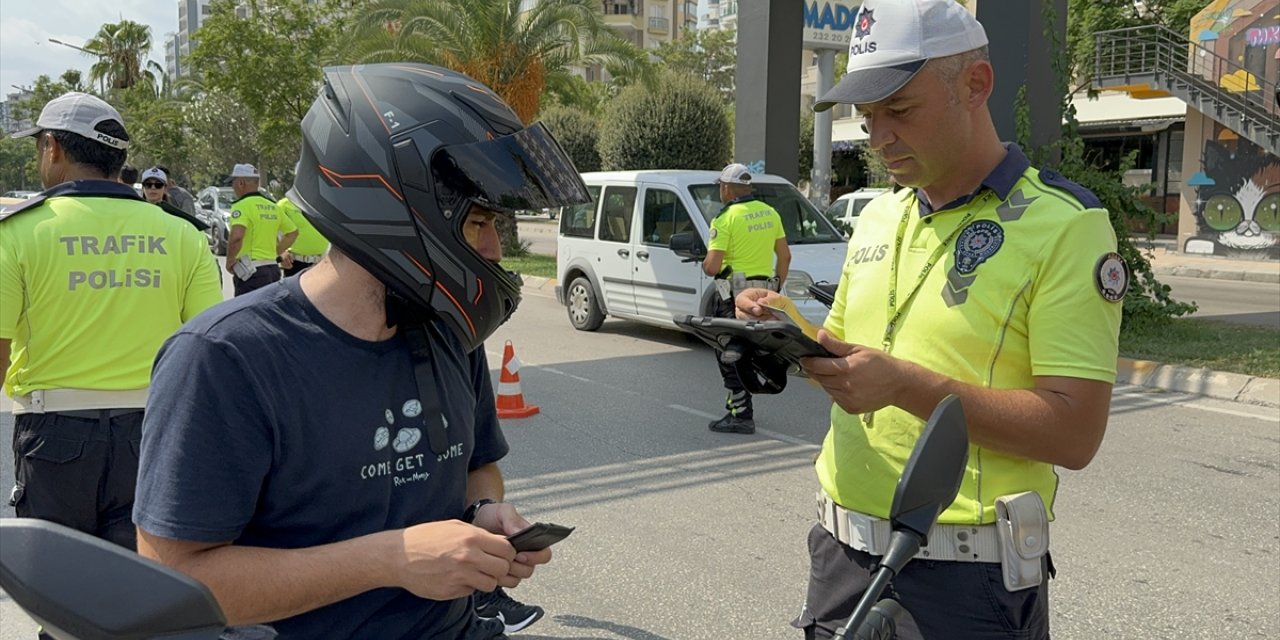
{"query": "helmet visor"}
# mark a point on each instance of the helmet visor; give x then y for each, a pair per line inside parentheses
(524, 170)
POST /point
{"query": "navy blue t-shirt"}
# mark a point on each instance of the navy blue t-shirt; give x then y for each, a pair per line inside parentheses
(269, 426)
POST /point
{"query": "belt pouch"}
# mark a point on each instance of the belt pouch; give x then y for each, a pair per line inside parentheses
(1022, 525)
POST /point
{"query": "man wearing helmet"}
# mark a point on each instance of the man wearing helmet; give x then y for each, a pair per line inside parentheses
(370, 505)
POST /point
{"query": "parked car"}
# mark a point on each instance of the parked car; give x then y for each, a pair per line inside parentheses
(614, 255)
(847, 207)
(20, 194)
(213, 206)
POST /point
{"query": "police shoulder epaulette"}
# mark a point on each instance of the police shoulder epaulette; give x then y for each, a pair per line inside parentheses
(1086, 197)
(26, 205)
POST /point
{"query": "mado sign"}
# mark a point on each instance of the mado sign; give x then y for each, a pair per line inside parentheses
(828, 23)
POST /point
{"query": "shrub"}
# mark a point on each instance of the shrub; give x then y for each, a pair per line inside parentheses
(578, 132)
(679, 124)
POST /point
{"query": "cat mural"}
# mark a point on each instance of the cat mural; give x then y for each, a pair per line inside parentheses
(1238, 202)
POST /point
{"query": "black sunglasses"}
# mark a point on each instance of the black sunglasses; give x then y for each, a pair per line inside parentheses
(153, 185)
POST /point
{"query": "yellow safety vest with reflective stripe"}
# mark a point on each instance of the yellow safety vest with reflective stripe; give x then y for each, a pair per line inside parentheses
(91, 286)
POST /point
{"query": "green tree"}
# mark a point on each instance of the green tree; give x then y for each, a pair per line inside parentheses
(271, 61)
(1148, 304)
(121, 49)
(42, 91)
(709, 54)
(220, 131)
(578, 132)
(18, 165)
(806, 143)
(681, 124)
(1087, 17)
(516, 54)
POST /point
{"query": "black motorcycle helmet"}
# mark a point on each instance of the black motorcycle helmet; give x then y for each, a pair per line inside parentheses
(394, 156)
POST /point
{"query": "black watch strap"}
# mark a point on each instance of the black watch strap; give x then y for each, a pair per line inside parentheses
(470, 514)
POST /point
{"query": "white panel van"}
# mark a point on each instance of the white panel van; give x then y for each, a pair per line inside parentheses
(614, 256)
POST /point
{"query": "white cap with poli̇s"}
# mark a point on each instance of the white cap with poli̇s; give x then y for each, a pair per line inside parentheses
(735, 174)
(244, 171)
(893, 39)
(78, 113)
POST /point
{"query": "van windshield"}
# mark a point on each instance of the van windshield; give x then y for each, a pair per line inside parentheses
(803, 222)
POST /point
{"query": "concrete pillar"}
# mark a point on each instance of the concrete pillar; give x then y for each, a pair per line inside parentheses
(820, 178)
(1021, 56)
(767, 120)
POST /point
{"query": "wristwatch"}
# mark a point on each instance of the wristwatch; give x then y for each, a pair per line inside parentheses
(470, 514)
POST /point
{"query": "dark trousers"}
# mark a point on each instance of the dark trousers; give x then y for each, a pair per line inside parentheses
(298, 267)
(264, 276)
(944, 600)
(737, 400)
(79, 469)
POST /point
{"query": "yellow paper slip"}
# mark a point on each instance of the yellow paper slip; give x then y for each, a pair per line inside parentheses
(785, 309)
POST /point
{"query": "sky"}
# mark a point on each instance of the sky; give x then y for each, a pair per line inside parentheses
(27, 25)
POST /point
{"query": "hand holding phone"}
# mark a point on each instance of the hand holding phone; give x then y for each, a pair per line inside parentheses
(538, 536)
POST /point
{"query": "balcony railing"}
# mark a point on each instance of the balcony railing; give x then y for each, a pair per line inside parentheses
(659, 25)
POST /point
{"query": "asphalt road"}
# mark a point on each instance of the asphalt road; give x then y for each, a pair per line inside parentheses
(1236, 301)
(1172, 532)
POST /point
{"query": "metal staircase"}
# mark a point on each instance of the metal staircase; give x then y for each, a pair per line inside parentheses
(1154, 61)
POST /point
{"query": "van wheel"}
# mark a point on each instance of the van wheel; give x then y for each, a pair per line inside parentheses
(584, 307)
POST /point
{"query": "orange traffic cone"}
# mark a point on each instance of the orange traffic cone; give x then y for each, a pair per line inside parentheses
(510, 399)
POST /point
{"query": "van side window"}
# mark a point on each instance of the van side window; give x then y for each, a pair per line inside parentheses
(664, 215)
(616, 212)
(580, 220)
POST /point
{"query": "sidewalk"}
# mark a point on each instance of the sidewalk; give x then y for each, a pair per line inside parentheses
(1165, 261)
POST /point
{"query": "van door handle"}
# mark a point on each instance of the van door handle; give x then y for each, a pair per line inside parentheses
(643, 255)
(624, 253)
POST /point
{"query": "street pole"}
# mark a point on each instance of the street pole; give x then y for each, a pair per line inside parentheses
(820, 177)
(102, 87)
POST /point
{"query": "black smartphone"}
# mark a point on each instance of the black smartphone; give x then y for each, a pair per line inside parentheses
(538, 536)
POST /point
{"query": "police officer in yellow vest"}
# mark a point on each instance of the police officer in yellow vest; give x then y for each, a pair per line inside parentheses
(308, 248)
(982, 277)
(92, 280)
(260, 233)
(747, 238)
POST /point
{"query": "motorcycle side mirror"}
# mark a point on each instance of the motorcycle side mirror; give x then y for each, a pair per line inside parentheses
(932, 475)
(688, 245)
(83, 588)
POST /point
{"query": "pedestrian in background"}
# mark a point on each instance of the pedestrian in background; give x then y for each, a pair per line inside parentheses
(93, 279)
(155, 189)
(984, 278)
(260, 233)
(177, 196)
(747, 248)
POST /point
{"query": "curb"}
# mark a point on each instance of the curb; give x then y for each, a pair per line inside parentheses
(1236, 387)
(1188, 271)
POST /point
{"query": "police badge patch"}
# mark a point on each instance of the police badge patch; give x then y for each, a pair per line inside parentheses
(713, 233)
(979, 241)
(235, 213)
(1111, 275)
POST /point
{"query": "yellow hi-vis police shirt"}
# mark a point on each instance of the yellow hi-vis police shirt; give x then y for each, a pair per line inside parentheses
(309, 242)
(1025, 283)
(263, 225)
(92, 281)
(746, 231)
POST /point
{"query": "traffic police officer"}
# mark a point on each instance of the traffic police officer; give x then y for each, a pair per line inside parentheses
(92, 281)
(260, 233)
(746, 237)
(308, 248)
(982, 277)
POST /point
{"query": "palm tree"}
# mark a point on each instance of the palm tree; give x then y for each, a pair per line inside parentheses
(515, 53)
(122, 50)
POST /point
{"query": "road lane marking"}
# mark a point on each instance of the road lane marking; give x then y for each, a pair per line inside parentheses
(1133, 391)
